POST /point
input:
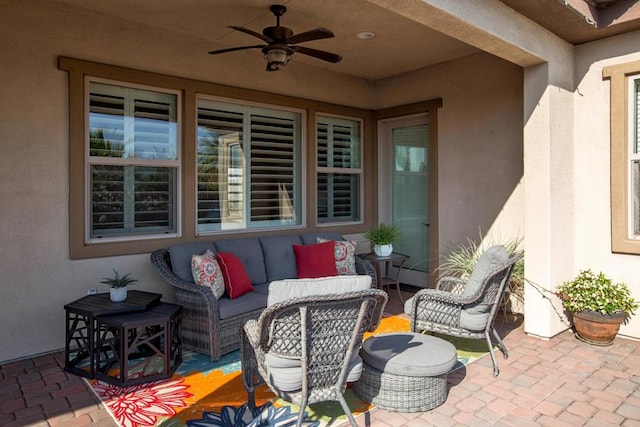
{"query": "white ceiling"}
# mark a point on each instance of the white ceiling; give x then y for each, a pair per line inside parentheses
(399, 45)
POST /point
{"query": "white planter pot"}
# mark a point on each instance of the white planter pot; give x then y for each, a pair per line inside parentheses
(118, 294)
(383, 250)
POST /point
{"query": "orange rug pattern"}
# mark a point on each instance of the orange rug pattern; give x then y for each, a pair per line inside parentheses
(200, 385)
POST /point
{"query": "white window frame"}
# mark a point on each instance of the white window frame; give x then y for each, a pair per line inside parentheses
(347, 171)
(238, 105)
(125, 161)
(633, 155)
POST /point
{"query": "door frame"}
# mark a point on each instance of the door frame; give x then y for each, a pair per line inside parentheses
(396, 117)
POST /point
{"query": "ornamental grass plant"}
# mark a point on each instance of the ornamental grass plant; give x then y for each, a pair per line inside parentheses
(460, 261)
(589, 291)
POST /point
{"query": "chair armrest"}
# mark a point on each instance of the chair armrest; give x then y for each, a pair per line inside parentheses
(443, 296)
(433, 305)
(364, 266)
(251, 332)
(162, 264)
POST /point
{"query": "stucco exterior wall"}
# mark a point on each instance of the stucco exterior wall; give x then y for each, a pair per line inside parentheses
(480, 166)
(36, 275)
(592, 158)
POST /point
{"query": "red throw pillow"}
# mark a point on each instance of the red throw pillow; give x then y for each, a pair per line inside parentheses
(317, 260)
(236, 280)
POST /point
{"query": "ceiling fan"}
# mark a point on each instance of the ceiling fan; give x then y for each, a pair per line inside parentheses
(281, 42)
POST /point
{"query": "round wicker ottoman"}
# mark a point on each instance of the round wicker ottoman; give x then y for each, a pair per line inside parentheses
(405, 372)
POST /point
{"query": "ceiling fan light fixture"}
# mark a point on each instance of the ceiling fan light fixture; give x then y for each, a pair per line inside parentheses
(277, 58)
(280, 43)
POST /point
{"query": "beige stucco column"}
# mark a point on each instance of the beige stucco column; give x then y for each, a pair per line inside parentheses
(549, 172)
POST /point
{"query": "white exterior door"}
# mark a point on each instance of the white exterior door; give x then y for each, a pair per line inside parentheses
(404, 191)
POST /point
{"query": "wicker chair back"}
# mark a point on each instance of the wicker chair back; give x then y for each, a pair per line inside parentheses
(321, 333)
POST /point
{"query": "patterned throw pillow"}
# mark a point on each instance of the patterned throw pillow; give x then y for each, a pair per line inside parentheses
(206, 272)
(345, 255)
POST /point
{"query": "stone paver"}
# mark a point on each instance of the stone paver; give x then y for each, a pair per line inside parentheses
(556, 382)
(559, 382)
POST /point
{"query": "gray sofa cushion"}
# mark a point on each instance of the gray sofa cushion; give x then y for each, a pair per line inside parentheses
(262, 288)
(280, 260)
(310, 238)
(181, 254)
(249, 252)
(247, 302)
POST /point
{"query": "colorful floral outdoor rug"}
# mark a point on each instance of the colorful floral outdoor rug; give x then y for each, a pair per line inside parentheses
(202, 393)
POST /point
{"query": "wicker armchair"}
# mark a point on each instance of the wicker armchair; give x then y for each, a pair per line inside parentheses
(316, 339)
(466, 308)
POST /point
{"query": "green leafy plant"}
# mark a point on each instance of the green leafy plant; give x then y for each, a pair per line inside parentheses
(460, 261)
(589, 291)
(383, 234)
(118, 281)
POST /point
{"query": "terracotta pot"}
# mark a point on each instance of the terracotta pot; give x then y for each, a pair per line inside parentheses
(595, 328)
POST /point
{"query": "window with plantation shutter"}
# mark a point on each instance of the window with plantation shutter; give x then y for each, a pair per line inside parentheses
(248, 167)
(132, 162)
(634, 158)
(339, 178)
(624, 89)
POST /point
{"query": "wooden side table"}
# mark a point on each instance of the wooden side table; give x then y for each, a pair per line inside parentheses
(139, 347)
(382, 264)
(81, 314)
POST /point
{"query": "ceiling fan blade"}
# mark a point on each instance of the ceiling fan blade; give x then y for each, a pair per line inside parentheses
(320, 54)
(252, 33)
(315, 34)
(232, 49)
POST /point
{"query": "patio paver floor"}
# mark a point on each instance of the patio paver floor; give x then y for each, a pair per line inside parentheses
(557, 382)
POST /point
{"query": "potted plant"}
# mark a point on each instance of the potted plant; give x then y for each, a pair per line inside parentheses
(118, 285)
(598, 306)
(460, 261)
(382, 237)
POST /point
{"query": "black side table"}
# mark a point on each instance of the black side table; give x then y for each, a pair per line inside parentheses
(81, 332)
(383, 264)
(129, 344)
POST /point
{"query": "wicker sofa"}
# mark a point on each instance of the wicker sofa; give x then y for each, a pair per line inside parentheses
(212, 326)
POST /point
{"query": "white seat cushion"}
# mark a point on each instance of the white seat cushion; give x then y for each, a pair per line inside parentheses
(282, 290)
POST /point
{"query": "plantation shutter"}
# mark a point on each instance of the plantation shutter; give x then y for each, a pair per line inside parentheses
(132, 139)
(248, 162)
(338, 180)
(273, 154)
(215, 197)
